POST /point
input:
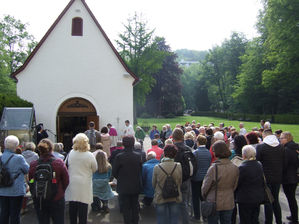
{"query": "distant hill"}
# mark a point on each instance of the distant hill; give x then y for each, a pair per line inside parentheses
(190, 55)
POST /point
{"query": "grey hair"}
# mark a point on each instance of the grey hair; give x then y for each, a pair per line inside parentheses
(168, 142)
(11, 142)
(57, 147)
(218, 135)
(30, 146)
(248, 152)
(267, 125)
(137, 145)
(151, 155)
(61, 145)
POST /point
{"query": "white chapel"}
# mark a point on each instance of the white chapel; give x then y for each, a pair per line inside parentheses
(75, 75)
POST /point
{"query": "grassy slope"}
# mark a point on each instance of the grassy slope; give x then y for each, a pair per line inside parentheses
(294, 129)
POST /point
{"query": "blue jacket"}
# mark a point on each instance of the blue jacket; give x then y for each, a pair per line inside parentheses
(100, 185)
(203, 158)
(17, 165)
(153, 132)
(147, 176)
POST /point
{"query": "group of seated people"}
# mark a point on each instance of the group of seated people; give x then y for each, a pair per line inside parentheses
(229, 167)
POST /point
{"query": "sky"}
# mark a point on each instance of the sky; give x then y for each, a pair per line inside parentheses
(188, 24)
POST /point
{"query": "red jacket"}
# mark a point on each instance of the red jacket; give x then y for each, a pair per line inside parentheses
(157, 150)
(62, 176)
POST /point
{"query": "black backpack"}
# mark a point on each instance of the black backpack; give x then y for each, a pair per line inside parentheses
(6, 180)
(189, 165)
(170, 188)
(44, 185)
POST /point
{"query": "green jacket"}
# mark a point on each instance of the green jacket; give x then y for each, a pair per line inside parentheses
(139, 134)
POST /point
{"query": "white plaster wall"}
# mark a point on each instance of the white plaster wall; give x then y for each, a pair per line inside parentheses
(69, 66)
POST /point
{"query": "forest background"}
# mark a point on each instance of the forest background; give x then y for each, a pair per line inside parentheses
(239, 79)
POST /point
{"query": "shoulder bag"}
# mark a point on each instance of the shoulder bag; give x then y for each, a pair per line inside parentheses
(209, 208)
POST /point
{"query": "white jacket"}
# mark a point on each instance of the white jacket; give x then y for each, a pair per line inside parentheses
(81, 166)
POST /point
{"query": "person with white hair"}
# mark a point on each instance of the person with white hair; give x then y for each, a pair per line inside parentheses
(250, 190)
(138, 148)
(242, 129)
(147, 175)
(29, 152)
(168, 131)
(218, 135)
(11, 197)
(56, 151)
(267, 125)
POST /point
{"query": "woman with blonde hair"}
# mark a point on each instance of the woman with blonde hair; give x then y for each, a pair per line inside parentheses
(81, 165)
(100, 181)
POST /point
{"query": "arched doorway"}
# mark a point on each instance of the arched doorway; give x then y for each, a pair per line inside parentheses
(73, 117)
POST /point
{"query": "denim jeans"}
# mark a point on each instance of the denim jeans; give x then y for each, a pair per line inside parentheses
(225, 217)
(185, 189)
(50, 210)
(168, 213)
(274, 207)
(10, 209)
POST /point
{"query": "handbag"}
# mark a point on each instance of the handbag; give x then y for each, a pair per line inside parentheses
(268, 197)
(209, 208)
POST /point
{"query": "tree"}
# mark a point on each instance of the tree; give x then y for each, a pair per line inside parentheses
(249, 94)
(221, 68)
(166, 95)
(195, 88)
(15, 46)
(140, 53)
(281, 77)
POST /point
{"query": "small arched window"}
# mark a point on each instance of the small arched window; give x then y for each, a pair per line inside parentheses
(77, 26)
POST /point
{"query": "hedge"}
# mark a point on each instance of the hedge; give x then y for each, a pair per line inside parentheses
(275, 118)
(12, 101)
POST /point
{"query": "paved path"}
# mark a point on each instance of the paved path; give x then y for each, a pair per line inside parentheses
(147, 214)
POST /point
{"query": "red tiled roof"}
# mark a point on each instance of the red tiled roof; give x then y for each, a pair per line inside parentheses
(13, 75)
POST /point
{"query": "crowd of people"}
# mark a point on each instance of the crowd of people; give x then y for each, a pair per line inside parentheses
(184, 168)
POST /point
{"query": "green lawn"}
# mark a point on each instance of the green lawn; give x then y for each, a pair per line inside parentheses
(294, 129)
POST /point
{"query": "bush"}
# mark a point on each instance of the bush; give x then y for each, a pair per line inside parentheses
(12, 101)
(170, 115)
(276, 118)
(145, 115)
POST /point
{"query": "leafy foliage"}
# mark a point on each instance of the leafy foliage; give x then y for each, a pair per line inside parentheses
(190, 55)
(166, 97)
(139, 51)
(15, 45)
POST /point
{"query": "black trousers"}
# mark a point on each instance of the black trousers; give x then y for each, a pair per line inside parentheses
(249, 213)
(10, 208)
(47, 210)
(274, 207)
(196, 197)
(78, 209)
(130, 208)
(290, 192)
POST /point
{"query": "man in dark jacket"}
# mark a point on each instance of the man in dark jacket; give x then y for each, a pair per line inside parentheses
(290, 178)
(178, 139)
(127, 170)
(270, 153)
